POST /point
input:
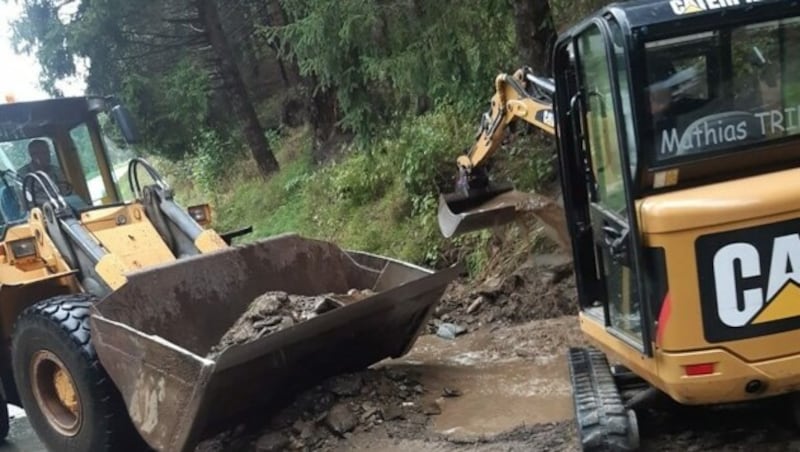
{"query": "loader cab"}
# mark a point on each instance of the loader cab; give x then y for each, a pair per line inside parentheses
(654, 97)
(66, 139)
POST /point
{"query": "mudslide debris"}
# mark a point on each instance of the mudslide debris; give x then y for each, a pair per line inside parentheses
(274, 311)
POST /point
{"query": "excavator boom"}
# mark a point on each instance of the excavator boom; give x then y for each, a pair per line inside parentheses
(478, 202)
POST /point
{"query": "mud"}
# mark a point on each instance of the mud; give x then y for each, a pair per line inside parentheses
(490, 389)
(501, 386)
(543, 287)
(275, 311)
(330, 413)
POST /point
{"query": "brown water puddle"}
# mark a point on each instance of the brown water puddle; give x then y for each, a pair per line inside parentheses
(499, 391)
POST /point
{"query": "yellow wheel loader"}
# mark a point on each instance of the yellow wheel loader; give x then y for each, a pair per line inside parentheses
(678, 137)
(111, 310)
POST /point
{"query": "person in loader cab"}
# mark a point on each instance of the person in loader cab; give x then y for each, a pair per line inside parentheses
(39, 152)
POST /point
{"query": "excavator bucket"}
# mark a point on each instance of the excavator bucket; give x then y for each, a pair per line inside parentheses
(155, 335)
(459, 214)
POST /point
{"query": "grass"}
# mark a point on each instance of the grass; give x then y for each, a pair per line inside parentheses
(383, 201)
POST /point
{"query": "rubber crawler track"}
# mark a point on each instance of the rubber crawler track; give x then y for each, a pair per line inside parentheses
(601, 417)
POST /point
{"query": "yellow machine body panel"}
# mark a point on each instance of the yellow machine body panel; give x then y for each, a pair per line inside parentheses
(126, 232)
(737, 314)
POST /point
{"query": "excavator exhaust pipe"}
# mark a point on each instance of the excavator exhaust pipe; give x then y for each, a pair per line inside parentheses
(155, 335)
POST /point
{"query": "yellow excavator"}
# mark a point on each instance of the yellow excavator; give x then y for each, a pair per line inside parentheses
(112, 304)
(678, 136)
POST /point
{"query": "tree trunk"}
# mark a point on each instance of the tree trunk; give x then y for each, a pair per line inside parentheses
(536, 34)
(276, 17)
(323, 117)
(254, 133)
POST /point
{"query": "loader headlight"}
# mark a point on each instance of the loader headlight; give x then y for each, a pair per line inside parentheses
(23, 248)
(200, 213)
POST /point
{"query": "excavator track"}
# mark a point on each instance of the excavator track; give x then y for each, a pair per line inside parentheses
(604, 424)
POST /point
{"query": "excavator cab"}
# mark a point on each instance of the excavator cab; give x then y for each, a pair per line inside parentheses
(678, 134)
(679, 142)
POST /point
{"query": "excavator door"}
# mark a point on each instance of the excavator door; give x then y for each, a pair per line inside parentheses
(597, 157)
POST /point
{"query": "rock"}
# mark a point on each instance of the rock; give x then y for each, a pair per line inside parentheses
(391, 412)
(419, 389)
(431, 409)
(450, 330)
(307, 432)
(451, 392)
(557, 262)
(396, 374)
(547, 277)
(491, 286)
(341, 419)
(272, 442)
(304, 429)
(271, 302)
(476, 304)
(345, 385)
(368, 413)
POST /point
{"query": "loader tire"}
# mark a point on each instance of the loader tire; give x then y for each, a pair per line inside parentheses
(69, 399)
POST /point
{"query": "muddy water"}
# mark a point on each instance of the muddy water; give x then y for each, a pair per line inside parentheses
(498, 391)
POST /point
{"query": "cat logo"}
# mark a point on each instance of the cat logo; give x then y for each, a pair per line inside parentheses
(684, 7)
(750, 281)
(738, 306)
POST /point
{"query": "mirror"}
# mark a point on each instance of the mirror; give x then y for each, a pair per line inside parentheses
(125, 123)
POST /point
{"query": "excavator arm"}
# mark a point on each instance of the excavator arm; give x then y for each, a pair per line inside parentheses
(521, 96)
(478, 203)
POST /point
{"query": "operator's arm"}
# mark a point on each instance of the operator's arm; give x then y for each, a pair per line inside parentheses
(519, 96)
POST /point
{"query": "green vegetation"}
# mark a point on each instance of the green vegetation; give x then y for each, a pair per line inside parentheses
(365, 104)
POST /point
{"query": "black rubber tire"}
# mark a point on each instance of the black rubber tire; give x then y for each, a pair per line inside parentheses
(60, 325)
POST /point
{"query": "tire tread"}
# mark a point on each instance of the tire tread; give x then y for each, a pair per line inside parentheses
(69, 316)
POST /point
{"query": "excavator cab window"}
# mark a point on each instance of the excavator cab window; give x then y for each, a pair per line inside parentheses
(718, 95)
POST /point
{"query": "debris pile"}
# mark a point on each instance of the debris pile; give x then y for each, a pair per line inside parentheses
(542, 288)
(276, 310)
(321, 417)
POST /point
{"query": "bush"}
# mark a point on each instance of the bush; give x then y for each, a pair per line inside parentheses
(213, 155)
(428, 146)
(361, 178)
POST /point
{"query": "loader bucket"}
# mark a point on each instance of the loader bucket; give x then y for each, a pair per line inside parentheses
(153, 335)
(459, 214)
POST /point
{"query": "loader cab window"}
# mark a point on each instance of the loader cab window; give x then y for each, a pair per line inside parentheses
(98, 193)
(18, 158)
(720, 91)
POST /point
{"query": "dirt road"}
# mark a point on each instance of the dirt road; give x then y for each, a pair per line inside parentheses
(494, 389)
(508, 391)
(501, 384)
